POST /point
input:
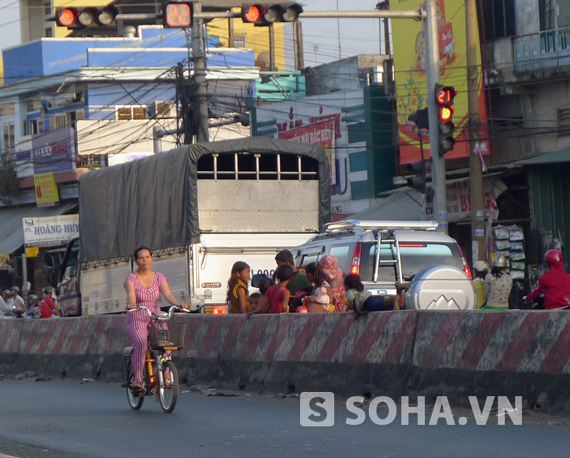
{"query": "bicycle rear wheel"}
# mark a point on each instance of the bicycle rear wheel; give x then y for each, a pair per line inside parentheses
(168, 393)
(134, 397)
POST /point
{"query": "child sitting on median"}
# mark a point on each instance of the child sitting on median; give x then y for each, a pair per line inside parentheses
(362, 301)
(277, 296)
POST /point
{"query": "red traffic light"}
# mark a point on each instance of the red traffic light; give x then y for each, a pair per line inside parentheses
(78, 18)
(253, 13)
(178, 15)
(444, 95)
(66, 17)
(267, 14)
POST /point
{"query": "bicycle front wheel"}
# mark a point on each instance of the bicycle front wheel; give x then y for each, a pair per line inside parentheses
(168, 392)
(134, 397)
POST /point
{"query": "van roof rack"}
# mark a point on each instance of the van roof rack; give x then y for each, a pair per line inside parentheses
(381, 225)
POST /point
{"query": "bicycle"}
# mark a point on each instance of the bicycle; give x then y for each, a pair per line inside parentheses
(160, 376)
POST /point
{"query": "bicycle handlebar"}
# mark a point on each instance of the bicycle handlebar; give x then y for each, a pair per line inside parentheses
(171, 310)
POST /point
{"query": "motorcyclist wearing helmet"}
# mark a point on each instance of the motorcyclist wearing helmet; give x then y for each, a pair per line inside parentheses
(498, 285)
(555, 283)
(34, 309)
(47, 305)
(17, 299)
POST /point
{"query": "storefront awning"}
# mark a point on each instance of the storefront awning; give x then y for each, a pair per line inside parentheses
(401, 206)
(556, 157)
(11, 229)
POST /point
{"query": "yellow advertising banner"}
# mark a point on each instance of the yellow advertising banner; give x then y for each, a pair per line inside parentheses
(410, 77)
(46, 189)
(4, 257)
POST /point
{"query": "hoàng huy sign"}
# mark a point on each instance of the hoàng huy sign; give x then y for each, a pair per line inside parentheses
(50, 230)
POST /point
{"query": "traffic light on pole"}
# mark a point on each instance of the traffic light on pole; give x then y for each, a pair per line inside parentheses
(266, 14)
(444, 96)
(177, 15)
(418, 181)
(80, 18)
(420, 118)
(13, 270)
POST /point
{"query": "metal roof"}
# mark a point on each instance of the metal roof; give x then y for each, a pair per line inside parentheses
(402, 206)
(556, 157)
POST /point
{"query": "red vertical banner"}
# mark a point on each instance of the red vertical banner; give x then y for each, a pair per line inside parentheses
(319, 133)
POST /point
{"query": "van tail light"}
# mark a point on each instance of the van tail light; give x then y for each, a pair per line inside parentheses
(466, 267)
(355, 263)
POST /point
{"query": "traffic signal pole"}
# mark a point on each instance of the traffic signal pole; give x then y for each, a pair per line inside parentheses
(432, 74)
(477, 209)
(199, 58)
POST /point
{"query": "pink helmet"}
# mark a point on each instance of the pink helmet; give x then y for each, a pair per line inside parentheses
(553, 256)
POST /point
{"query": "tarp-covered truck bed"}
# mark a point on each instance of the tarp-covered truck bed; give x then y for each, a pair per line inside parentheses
(154, 201)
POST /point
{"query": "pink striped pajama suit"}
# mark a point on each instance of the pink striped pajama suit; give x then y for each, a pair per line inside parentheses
(137, 321)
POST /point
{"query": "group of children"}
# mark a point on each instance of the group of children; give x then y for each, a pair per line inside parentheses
(315, 288)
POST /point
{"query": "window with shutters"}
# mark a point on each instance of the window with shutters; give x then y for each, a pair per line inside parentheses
(7, 109)
(58, 121)
(8, 137)
(128, 113)
(163, 109)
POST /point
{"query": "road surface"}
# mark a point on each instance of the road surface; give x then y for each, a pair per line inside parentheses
(68, 419)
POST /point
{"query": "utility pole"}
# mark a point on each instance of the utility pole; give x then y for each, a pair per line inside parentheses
(432, 73)
(298, 45)
(199, 58)
(271, 47)
(477, 210)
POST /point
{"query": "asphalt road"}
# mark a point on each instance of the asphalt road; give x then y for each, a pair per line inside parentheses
(68, 419)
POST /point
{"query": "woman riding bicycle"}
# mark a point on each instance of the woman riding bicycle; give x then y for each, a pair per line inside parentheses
(143, 289)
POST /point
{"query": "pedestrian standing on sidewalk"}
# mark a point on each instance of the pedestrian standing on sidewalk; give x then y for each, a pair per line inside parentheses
(498, 285)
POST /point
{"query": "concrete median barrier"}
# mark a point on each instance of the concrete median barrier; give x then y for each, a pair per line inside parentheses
(514, 353)
(455, 353)
(285, 352)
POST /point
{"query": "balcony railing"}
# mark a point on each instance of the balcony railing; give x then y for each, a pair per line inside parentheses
(547, 49)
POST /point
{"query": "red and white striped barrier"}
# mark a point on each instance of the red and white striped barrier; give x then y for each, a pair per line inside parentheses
(523, 353)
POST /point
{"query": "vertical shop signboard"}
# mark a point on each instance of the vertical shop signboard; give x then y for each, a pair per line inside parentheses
(411, 81)
(46, 190)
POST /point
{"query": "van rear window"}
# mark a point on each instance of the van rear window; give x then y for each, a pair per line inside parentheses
(343, 253)
(415, 257)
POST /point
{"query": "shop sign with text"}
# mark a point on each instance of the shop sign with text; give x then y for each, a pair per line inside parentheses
(50, 230)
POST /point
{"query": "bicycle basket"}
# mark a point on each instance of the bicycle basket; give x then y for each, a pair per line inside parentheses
(166, 334)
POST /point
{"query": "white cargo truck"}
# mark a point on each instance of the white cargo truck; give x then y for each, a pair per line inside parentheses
(199, 208)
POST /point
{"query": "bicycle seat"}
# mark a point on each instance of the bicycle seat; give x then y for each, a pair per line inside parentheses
(128, 351)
